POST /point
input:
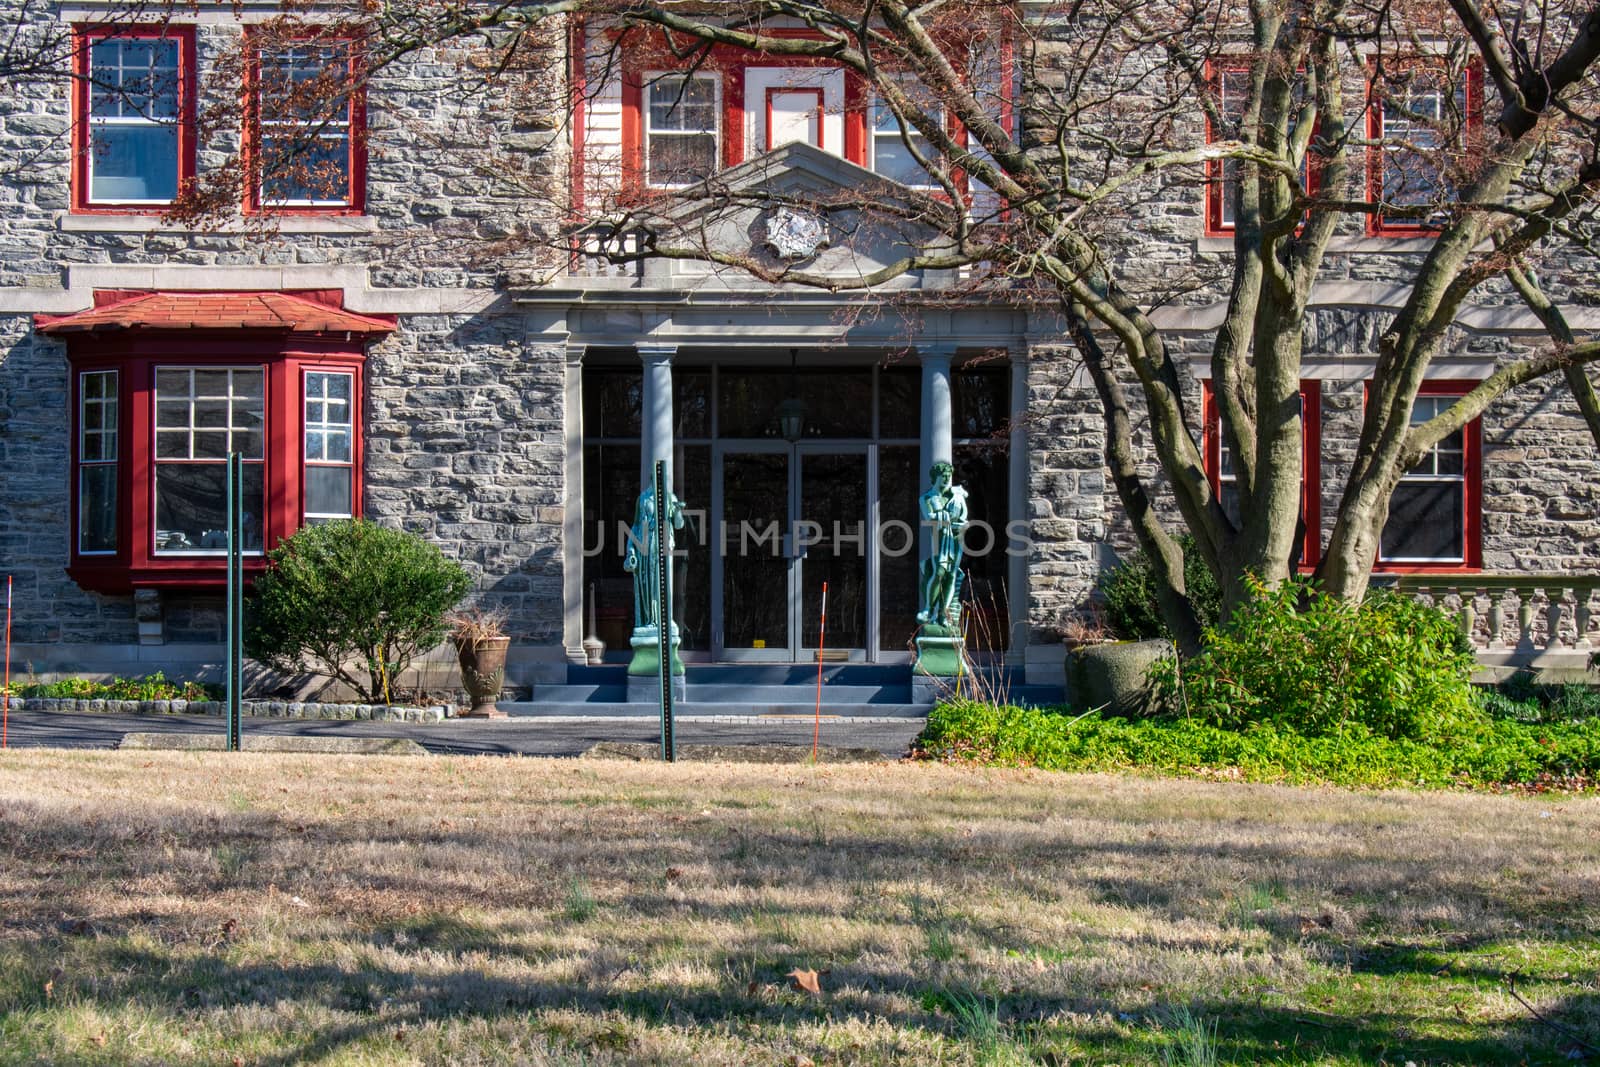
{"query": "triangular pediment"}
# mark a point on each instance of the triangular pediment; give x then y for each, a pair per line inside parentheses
(797, 209)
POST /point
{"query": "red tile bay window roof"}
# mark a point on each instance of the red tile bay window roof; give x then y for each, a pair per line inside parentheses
(164, 385)
(213, 311)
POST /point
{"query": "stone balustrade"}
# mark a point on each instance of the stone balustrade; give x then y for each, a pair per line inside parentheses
(1554, 614)
(594, 245)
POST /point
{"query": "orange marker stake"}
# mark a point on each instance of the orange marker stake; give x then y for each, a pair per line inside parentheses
(5, 694)
(822, 640)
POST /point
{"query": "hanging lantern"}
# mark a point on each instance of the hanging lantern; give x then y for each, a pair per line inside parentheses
(792, 411)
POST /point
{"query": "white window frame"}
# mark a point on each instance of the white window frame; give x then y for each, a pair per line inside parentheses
(1437, 402)
(95, 122)
(157, 461)
(325, 126)
(880, 107)
(109, 439)
(656, 78)
(325, 426)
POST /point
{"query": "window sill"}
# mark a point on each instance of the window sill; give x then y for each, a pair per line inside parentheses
(311, 224)
(1363, 244)
(114, 577)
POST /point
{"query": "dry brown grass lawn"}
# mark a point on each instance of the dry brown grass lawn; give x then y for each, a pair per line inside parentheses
(258, 909)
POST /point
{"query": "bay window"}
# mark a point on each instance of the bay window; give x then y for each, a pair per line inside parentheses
(162, 395)
(134, 115)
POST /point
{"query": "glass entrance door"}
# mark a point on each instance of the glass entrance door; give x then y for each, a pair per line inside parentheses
(791, 517)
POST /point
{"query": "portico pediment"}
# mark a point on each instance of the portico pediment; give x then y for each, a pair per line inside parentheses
(795, 210)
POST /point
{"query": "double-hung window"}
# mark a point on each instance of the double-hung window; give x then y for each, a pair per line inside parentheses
(1433, 513)
(134, 111)
(1420, 118)
(895, 146)
(1231, 87)
(98, 407)
(308, 113)
(681, 129)
(329, 438)
(1224, 477)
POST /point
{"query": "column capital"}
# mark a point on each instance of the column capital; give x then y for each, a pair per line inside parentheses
(650, 352)
(575, 351)
(939, 352)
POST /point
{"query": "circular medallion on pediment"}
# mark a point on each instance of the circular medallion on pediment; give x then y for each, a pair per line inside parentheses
(795, 234)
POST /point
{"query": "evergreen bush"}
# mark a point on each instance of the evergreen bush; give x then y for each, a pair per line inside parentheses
(1129, 590)
(349, 593)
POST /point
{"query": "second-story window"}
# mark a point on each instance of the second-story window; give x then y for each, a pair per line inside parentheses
(680, 129)
(308, 113)
(1231, 85)
(895, 147)
(1420, 117)
(134, 117)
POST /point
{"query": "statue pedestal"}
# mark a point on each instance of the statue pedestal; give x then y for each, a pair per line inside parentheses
(646, 662)
(940, 651)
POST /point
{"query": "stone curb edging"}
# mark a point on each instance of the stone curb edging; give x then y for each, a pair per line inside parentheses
(267, 709)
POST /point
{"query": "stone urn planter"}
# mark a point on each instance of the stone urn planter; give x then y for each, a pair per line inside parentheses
(1114, 675)
(481, 646)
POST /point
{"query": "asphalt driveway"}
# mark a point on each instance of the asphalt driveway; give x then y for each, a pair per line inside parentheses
(526, 736)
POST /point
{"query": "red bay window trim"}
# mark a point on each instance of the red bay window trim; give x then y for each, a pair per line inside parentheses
(249, 151)
(84, 35)
(1471, 505)
(1377, 225)
(1310, 460)
(136, 352)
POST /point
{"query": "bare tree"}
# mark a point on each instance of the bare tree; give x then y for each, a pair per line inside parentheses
(1310, 120)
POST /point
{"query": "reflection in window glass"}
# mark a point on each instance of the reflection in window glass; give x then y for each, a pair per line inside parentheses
(134, 114)
(201, 416)
(304, 120)
(680, 137)
(329, 455)
(97, 461)
(1427, 513)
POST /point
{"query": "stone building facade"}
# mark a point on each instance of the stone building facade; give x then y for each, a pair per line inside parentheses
(505, 415)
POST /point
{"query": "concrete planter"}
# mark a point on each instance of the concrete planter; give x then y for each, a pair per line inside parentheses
(1114, 675)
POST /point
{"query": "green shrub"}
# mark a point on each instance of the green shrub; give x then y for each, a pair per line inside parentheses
(352, 592)
(1301, 659)
(1521, 698)
(1130, 594)
(1490, 753)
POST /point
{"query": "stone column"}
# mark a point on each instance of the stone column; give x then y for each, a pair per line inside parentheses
(572, 592)
(655, 443)
(939, 646)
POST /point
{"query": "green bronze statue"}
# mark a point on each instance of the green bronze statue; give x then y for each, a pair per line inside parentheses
(640, 557)
(944, 507)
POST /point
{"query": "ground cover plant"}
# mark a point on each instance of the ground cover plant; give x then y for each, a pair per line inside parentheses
(154, 686)
(207, 908)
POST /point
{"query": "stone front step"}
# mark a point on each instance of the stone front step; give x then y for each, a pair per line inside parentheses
(773, 711)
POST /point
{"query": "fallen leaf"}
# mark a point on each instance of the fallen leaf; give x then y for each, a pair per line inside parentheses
(99, 1039)
(674, 873)
(797, 1060)
(751, 989)
(50, 989)
(806, 981)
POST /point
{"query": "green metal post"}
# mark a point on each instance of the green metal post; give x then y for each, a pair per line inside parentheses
(235, 605)
(669, 748)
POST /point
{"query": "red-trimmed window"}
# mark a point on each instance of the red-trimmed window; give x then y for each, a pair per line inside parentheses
(155, 413)
(1435, 515)
(682, 128)
(306, 117)
(1421, 120)
(891, 143)
(1221, 473)
(1231, 86)
(133, 117)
